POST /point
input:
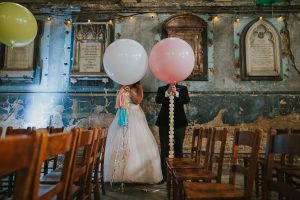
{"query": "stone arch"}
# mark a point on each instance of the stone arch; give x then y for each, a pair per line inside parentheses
(260, 52)
(193, 30)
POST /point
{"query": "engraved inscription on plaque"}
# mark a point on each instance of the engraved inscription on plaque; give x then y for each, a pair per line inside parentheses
(90, 42)
(19, 58)
(90, 57)
(262, 50)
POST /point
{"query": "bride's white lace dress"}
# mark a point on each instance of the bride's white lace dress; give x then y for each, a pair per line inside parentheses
(132, 154)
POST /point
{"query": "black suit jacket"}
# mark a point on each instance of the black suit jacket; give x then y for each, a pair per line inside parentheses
(180, 119)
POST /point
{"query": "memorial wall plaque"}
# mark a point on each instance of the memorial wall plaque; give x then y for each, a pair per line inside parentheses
(261, 55)
(89, 57)
(19, 58)
(261, 51)
(90, 41)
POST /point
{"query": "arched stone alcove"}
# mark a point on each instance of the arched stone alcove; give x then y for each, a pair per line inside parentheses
(193, 30)
(260, 52)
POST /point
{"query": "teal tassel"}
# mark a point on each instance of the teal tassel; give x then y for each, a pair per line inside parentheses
(123, 119)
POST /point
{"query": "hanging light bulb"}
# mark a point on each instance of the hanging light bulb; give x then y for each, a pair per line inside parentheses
(68, 22)
(280, 18)
(49, 18)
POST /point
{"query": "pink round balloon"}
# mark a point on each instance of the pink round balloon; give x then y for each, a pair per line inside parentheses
(171, 60)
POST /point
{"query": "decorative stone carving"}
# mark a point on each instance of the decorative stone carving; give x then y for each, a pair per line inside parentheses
(261, 53)
(193, 30)
(90, 42)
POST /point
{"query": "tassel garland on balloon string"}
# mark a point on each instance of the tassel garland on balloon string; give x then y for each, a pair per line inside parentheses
(121, 158)
(171, 126)
(122, 104)
(122, 152)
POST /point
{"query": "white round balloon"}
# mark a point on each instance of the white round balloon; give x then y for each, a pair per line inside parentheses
(125, 61)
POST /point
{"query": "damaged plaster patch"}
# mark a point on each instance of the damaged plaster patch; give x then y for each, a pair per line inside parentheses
(282, 102)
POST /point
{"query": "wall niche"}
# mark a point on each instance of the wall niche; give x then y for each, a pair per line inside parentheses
(21, 65)
(193, 30)
(260, 52)
(90, 41)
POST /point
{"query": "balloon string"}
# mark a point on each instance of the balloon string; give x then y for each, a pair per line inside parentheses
(171, 126)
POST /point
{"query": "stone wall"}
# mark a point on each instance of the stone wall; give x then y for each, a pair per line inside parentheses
(222, 101)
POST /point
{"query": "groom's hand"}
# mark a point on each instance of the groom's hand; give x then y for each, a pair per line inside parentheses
(172, 89)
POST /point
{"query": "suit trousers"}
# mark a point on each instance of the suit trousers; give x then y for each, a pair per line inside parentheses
(179, 134)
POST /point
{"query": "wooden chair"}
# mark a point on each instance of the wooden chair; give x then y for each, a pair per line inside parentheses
(9, 132)
(1, 129)
(295, 131)
(20, 154)
(80, 165)
(102, 160)
(281, 144)
(191, 162)
(52, 130)
(196, 190)
(207, 175)
(261, 165)
(61, 143)
(18, 131)
(87, 194)
(97, 169)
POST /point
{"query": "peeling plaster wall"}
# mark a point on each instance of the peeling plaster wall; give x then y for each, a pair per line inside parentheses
(223, 101)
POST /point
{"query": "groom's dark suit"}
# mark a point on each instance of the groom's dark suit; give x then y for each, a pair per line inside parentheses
(180, 122)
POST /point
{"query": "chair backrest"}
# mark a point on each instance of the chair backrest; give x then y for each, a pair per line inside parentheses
(53, 130)
(195, 144)
(283, 131)
(204, 141)
(103, 145)
(97, 148)
(280, 144)
(81, 160)
(250, 140)
(18, 131)
(295, 131)
(94, 159)
(20, 154)
(56, 144)
(219, 137)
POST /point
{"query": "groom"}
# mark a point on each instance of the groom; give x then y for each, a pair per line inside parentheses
(180, 121)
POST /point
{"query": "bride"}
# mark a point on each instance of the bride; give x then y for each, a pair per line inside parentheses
(132, 154)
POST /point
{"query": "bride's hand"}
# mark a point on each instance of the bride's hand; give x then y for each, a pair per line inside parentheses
(126, 88)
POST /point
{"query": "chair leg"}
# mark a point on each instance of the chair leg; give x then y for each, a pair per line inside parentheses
(177, 184)
(280, 178)
(96, 189)
(10, 184)
(46, 163)
(168, 184)
(102, 180)
(54, 163)
(257, 180)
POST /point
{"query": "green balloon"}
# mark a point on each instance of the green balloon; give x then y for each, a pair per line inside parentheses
(18, 27)
(266, 2)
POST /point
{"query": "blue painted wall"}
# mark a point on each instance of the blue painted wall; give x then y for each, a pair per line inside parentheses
(223, 100)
